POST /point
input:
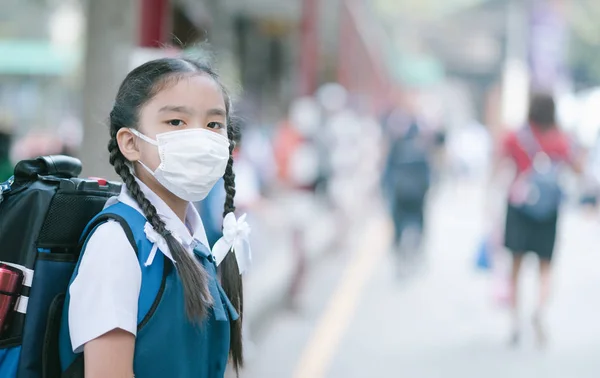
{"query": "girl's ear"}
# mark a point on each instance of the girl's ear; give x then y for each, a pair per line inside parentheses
(128, 144)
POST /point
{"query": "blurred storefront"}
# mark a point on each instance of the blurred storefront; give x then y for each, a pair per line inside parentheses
(274, 50)
(471, 44)
(282, 50)
(362, 56)
(38, 60)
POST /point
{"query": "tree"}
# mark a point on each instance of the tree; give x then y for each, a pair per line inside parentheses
(584, 49)
(110, 37)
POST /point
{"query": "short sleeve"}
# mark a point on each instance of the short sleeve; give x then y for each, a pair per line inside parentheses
(565, 148)
(104, 294)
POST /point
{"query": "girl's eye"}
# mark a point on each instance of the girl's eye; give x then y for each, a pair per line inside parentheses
(215, 125)
(175, 122)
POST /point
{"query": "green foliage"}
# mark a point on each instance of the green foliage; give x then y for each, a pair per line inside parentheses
(584, 43)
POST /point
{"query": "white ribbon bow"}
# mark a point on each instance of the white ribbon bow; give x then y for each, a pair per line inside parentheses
(159, 242)
(235, 239)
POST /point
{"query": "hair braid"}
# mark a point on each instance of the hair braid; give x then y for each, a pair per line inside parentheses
(233, 284)
(193, 276)
(229, 180)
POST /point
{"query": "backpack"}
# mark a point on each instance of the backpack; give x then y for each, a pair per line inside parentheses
(44, 209)
(408, 169)
(537, 193)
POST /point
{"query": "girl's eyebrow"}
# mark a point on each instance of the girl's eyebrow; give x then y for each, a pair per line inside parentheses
(189, 111)
(216, 112)
(177, 109)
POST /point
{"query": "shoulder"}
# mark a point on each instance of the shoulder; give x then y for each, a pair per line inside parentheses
(107, 227)
(561, 137)
(110, 233)
(107, 255)
(509, 141)
(564, 143)
(104, 293)
(555, 140)
(510, 136)
(108, 245)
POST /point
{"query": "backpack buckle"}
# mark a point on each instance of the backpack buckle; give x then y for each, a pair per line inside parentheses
(5, 187)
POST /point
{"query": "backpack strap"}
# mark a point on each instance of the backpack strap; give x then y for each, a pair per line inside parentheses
(528, 141)
(154, 286)
(103, 218)
(76, 369)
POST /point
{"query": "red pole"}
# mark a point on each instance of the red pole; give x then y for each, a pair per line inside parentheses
(309, 48)
(154, 22)
(343, 46)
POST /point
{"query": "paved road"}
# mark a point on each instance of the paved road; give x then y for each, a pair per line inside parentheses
(359, 321)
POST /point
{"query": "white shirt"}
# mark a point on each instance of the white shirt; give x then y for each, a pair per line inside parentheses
(104, 294)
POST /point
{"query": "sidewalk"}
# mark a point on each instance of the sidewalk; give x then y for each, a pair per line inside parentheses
(268, 282)
(445, 322)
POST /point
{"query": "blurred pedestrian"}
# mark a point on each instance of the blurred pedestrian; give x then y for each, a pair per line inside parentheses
(295, 146)
(344, 142)
(350, 138)
(406, 179)
(470, 151)
(591, 177)
(298, 160)
(538, 150)
(37, 143)
(70, 132)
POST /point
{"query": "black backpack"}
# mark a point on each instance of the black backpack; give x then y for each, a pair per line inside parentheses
(408, 167)
(44, 209)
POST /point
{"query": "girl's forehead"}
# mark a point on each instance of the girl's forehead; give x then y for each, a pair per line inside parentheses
(199, 92)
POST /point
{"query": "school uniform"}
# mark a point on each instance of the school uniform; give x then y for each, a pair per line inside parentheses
(117, 282)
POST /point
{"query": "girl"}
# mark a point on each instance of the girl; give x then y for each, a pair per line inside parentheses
(540, 141)
(127, 309)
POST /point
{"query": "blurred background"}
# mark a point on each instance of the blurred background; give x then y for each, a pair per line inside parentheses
(323, 90)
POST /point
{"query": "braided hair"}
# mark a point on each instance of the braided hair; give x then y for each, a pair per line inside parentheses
(137, 89)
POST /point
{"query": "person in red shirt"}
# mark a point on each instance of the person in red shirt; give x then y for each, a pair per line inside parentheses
(524, 233)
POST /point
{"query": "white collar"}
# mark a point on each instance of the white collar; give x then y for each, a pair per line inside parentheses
(179, 230)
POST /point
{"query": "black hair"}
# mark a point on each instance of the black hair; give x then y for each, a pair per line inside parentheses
(542, 110)
(139, 87)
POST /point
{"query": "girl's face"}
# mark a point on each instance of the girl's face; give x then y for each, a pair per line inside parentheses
(193, 102)
(190, 103)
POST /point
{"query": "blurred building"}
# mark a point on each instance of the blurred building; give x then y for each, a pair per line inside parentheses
(280, 50)
(472, 45)
(495, 50)
(36, 61)
(274, 50)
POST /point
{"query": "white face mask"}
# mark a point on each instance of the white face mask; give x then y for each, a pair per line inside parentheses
(191, 161)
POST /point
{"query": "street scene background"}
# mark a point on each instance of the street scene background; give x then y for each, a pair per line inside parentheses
(321, 88)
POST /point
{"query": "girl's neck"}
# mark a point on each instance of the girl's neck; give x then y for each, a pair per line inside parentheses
(175, 203)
